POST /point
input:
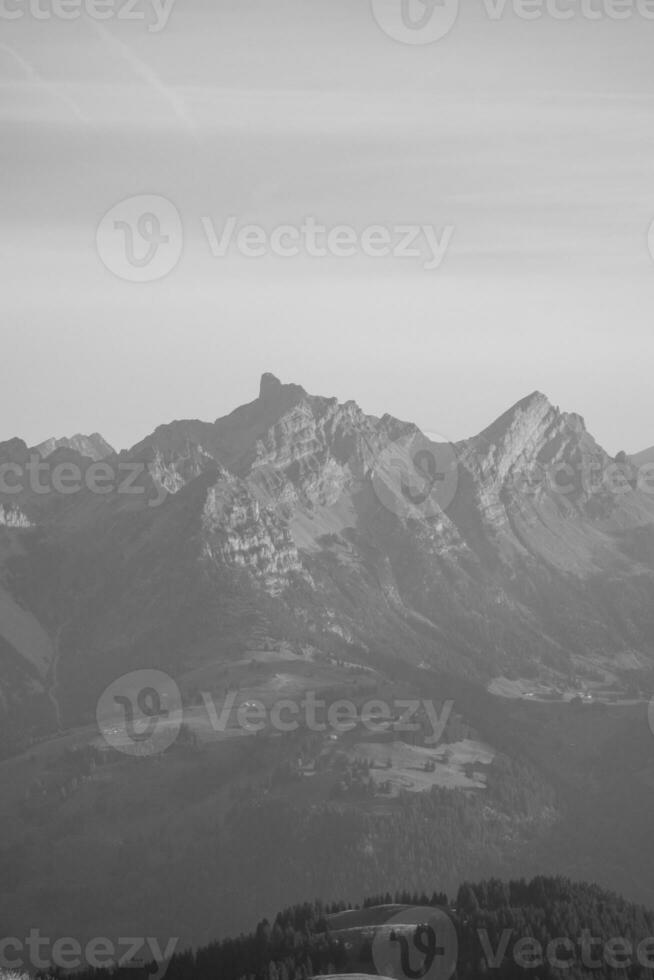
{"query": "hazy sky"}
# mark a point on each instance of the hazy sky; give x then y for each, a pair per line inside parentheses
(533, 140)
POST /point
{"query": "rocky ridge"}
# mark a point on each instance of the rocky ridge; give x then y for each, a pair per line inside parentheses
(302, 516)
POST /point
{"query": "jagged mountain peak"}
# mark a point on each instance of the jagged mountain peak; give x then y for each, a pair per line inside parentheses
(11, 448)
(93, 446)
(271, 389)
(526, 430)
(268, 380)
(529, 411)
(536, 397)
(274, 399)
(646, 456)
(300, 496)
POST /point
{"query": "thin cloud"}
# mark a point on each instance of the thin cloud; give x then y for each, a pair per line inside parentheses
(34, 76)
(147, 74)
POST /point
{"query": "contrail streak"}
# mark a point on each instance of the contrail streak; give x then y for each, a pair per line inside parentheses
(34, 76)
(148, 75)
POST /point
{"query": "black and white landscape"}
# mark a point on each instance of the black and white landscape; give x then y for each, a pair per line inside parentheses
(496, 594)
(326, 490)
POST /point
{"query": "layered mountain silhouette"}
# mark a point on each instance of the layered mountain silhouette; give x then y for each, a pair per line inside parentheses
(524, 551)
(646, 456)
(93, 446)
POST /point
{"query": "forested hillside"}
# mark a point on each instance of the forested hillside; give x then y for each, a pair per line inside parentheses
(547, 927)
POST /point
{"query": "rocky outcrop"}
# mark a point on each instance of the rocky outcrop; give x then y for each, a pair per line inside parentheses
(239, 533)
(536, 483)
(317, 451)
(13, 517)
(173, 470)
(94, 447)
(308, 518)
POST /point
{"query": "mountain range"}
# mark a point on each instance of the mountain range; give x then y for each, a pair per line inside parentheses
(646, 456)
(300, 545)
(93, 446)
(524, 555)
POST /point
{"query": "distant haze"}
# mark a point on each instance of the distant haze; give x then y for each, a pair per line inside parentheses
(533, 139)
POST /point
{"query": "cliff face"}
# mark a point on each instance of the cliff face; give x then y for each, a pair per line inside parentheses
(300, 516)
(173, 468)
(13, 517)
(316, 452)
(240, 533)
(94, 447)
(542, 487)
(308, 489)
(292, 444)
(278, 462)
(524, 450)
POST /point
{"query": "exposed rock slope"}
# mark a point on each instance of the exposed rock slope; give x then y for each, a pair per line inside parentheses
(523, 549)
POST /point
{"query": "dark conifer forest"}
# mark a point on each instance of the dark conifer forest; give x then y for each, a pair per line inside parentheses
(543, 928)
